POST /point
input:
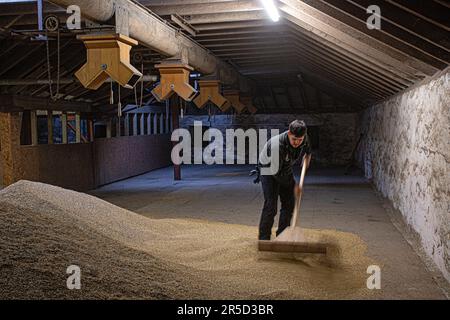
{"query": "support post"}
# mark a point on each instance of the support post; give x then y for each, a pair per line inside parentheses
(108, 128)
(167, 118)
(49, 127)
(142, 119)
(91, 130)
(63, 127)
(77, 128)
(149, 123)
(127, 124)
(161, 124)
(135, 124)
(118, 127)
(34, 129)
(155, 123)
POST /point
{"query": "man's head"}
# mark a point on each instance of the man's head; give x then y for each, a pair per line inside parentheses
(297, 133)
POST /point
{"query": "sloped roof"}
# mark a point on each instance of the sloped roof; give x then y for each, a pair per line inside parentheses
(326, 42)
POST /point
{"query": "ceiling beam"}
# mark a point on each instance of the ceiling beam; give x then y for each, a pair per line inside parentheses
(255, 52)
(432, 11)
(268, 42)
(19, 8)
(250, 47)
(330, 41)
(245, 30)
(233, 25)
(341, 34)
(14, 102)
(151, 31)
(247, 37)
(244, 39)
(391, 33)
(14, 60)
(178, 2)
(340, 75)
(314, 78)
(224, 17)
(348, 56)
(207, 8)
(357, 71)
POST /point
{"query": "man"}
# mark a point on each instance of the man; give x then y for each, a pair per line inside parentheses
(293, 144)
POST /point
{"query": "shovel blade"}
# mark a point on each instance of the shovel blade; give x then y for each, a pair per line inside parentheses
(292, 239)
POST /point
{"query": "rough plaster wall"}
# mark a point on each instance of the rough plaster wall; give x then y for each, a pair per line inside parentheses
(406, 151)
(336, 130)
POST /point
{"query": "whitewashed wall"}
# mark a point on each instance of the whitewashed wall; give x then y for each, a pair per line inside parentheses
(406, 151)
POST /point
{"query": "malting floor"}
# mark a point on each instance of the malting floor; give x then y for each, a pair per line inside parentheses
(331, 200)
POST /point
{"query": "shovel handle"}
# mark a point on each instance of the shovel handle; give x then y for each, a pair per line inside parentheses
(295, 215)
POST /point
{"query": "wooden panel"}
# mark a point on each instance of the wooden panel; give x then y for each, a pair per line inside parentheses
(120, 158)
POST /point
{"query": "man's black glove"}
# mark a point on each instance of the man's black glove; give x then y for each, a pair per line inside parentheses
(257, 171)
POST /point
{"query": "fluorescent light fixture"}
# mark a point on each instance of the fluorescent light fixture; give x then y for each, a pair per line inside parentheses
(271, 9)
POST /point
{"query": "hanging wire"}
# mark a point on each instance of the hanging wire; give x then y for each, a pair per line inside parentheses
(141, 98)
(142, 84)
(119, 104)
(59, 65)
(209, 113)
(49, 73)
(111, 97)
(181, 103)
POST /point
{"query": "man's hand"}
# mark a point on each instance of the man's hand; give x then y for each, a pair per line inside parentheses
(256, 172)
(297, 190)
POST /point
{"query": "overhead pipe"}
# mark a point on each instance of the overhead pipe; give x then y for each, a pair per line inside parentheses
(153, 32)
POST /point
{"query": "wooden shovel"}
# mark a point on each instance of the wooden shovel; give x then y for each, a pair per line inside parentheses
(292, 238)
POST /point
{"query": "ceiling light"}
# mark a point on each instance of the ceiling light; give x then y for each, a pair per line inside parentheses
(271, 9)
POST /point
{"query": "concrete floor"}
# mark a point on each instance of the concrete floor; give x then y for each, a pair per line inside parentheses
(331, 200)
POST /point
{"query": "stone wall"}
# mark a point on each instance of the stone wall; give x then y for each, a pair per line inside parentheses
(406, 152)
(336, 132)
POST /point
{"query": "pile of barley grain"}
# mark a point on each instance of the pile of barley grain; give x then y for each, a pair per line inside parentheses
(44, 229)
